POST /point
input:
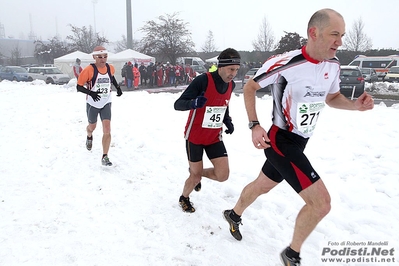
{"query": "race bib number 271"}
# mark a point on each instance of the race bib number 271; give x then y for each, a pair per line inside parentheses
(307, 115)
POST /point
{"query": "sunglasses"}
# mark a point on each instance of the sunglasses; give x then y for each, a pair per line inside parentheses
(101, 56)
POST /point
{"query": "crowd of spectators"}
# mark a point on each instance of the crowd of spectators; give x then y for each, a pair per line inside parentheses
(157, 75)
(166, 74)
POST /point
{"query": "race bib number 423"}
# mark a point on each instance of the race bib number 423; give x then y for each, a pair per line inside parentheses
(103, 89)
(307, 115)
(213, 117)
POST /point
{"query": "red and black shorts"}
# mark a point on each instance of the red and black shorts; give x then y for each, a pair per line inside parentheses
(286, 160)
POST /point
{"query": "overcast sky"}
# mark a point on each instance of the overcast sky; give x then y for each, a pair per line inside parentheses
(233, 23)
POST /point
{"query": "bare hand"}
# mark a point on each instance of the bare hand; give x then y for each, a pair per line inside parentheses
(364, 102)
(260, 138)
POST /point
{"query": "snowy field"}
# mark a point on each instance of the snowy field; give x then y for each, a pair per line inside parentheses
(59, 206)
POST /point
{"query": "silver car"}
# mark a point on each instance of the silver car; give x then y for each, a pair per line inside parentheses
(369, 75)
(250, 74)
(49, 74)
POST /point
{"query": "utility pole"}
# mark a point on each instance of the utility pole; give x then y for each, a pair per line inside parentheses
(32, 35)
(129, 24)
(2, 31)
(94, 12)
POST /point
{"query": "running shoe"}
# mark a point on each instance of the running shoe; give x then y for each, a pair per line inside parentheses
(89, 144)
(198, 187)
(289, 261)
(105, 161)
(234, 226)
(185, 204)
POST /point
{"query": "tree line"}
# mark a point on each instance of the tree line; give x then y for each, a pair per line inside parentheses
(167, 37)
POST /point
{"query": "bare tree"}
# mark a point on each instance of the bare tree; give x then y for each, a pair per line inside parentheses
(122, 45)
(45, 52)
(356, 40)
(265, 39)
(169, 37)
(15, 59)
(1, 56)
(209, 45)
(85, 39)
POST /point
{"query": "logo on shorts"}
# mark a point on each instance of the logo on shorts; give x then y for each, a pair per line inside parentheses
(313, 175)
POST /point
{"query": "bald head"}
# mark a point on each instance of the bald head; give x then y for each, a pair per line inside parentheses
(325, 31)
(321, 18)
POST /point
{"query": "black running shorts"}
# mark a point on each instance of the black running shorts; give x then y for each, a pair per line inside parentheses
(195, 152)
(286, 160)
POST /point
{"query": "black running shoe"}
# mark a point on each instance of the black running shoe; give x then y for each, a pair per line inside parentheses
(198, 187)
(185, 204)
(289, 261)
(89, 144)
(234, 226)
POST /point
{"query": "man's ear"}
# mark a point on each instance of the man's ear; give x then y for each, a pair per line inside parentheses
(312, 33)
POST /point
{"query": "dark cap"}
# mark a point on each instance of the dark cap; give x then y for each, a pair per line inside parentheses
(229, 57)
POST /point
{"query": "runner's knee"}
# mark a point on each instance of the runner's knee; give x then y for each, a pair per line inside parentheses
(222, 175)
(321, 206)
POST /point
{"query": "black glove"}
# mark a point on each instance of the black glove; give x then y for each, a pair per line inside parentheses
(118, 91)
(199, 102)
(230, 127)
(95, 96)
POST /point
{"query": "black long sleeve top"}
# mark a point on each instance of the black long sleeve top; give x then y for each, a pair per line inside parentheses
(199, 85)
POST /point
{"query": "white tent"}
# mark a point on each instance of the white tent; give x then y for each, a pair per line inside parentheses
(212, 60)
(119, 59)
(66, 62)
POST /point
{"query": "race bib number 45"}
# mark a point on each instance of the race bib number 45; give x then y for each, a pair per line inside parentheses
(213, 117)
(307, 115)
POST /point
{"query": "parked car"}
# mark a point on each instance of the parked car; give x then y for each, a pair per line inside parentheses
(49, 74)
(392, 75)
(13, 73)
(250, 74)
(198, 68)
(369, 74)
(351, 76)
(27, 66)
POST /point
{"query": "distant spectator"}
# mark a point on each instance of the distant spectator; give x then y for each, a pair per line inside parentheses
(159, 74)
(77, 69)
(123, 73)
(189, 72)
(213, 68)
(172, 75)
(150, 72)
(179, 72)
(143, 74)
(136, 76)
(129, 74)
(167, 73)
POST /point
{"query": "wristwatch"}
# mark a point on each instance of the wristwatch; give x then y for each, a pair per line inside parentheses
(252, 124)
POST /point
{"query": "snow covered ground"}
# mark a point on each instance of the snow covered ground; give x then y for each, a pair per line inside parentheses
(59, 206)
